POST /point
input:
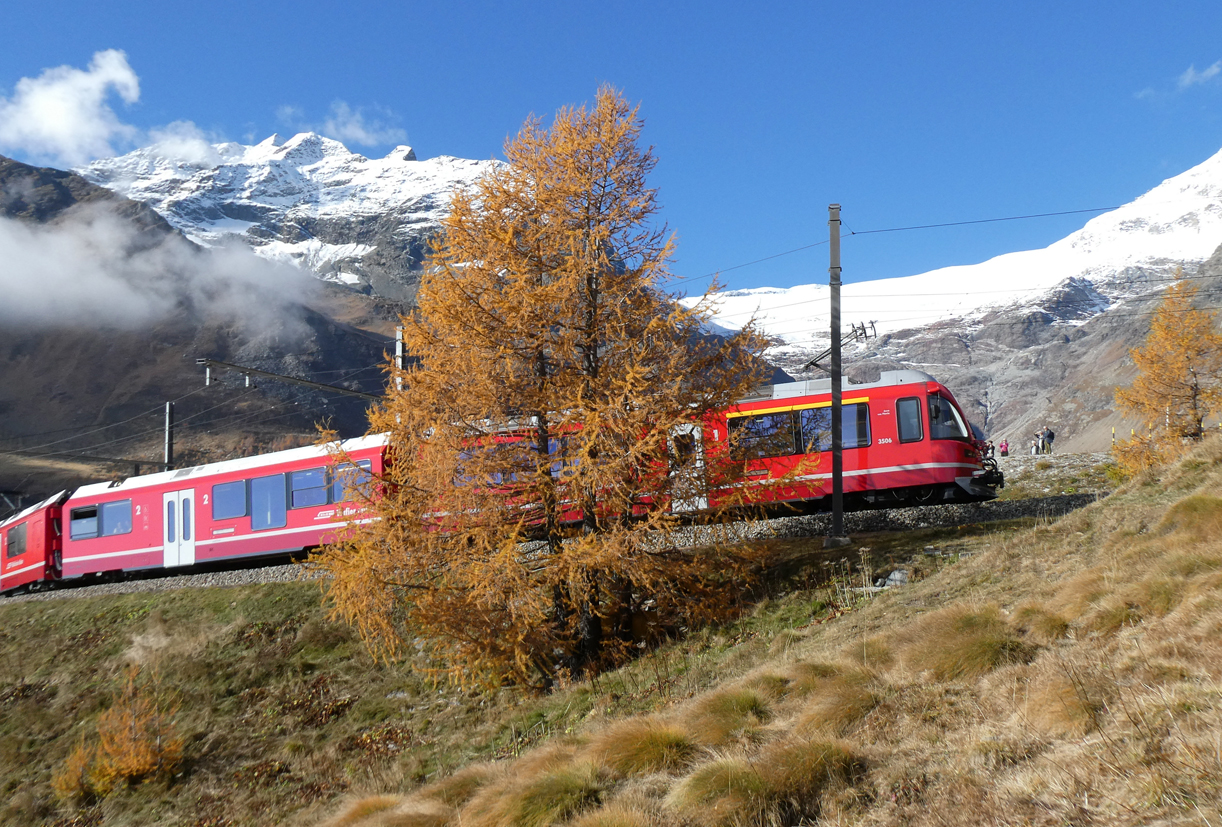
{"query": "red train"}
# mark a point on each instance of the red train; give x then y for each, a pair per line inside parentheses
(906, 442)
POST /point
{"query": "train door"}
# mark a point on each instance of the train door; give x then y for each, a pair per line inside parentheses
(178, 513)
(689, 491)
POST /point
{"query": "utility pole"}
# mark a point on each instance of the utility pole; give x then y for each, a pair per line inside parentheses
(836, 537)
(169, 436)
(400, 358)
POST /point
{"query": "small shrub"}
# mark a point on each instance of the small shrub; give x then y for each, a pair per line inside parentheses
(643, 745)
(721, 716)
(1042, 465)
(135, 742)
(71, 781)
(962, 642)
(727, 791)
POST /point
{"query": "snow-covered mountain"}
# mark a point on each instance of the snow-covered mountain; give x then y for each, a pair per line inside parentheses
(1124, 253)
(306, 200)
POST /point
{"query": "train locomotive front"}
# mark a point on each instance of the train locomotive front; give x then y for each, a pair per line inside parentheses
(905, 441)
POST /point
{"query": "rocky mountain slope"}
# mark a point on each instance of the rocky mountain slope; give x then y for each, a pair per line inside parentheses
(106, 307)
(356, 221)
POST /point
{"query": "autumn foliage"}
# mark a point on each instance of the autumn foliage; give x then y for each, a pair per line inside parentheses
(1179, 381)
(550, 425)
(135, 741)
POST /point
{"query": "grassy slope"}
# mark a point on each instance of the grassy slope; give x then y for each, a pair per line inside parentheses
(1059, 673)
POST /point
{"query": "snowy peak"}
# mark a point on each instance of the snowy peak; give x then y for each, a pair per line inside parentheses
(306, 200)
(1116, 256)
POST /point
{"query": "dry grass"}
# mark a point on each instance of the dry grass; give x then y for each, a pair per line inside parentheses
(962, 642)
(615, 815)
(731, 714)
(642, 745)
(838, 701)
(1070, 674)
(725, 791)
(553, 792)
(393, 811)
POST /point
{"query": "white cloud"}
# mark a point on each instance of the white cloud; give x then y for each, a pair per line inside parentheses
(93, 267)
(1192, 77)
(63, 115)
(351, 126)
(184, 141)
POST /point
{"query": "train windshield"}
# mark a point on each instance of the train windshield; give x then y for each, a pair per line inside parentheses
(945, 422)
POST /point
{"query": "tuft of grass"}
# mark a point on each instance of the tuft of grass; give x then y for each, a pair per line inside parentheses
(537, 799)
(797, 771)
(614, 815)
(457, 789)
(1199, 517)
(643, 745)
(727, 714)
(784, 640)
(1065, 702)
(727, 791)
(840, 701)
(872, 652)
(393, 811)
(1040, 624)
(963, 642)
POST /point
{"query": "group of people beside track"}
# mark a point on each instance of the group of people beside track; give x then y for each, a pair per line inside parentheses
(1041, 443)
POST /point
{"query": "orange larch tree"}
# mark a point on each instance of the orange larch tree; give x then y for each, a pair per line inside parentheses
(547, 437)
(1180, 376)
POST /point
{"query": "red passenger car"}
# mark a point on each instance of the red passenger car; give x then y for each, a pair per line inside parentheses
(273, 504)
(30, 545)
(905, 442)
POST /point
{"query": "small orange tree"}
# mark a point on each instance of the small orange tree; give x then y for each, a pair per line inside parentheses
(1179, 381)
(526, 517)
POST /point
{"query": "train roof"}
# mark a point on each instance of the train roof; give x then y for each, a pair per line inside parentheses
(242, 464)
(21, 515)
(812, 387)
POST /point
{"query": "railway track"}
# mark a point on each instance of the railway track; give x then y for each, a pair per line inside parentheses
(813, 525)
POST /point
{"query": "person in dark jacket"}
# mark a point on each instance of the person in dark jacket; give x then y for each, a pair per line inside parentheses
(1046, 438)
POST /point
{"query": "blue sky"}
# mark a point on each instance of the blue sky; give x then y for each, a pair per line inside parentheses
(760, 114)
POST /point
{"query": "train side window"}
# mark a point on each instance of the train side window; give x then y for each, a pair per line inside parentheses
(309, 487)
(16, 541)
(115, 518)
(856, 426)
(944, 419)
(269, 501)
(908, 418)
(816, 426)
(762, 435)
(83, 523)
(229, 500)
(170, 522)
(351, 480)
